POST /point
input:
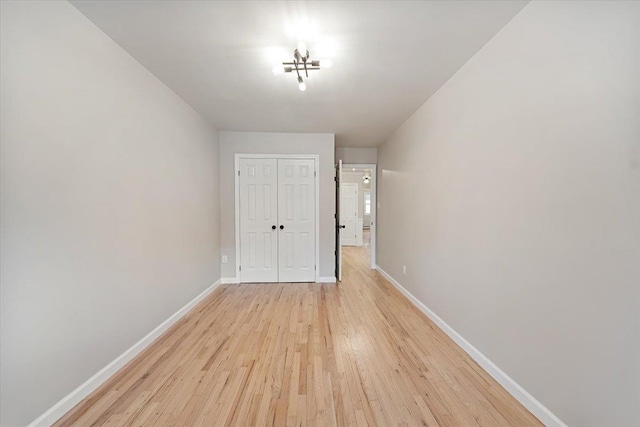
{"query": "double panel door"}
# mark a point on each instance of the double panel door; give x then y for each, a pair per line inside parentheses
(277, 220)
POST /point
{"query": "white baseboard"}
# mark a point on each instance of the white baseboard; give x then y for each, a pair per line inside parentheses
(235, 281)
(520, 394)
(72, 399)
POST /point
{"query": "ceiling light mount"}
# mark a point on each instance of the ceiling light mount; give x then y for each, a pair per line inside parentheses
(301, 64)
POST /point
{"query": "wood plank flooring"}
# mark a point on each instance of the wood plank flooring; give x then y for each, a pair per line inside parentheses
(354, 353)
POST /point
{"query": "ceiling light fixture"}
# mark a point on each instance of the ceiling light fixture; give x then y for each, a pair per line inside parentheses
(301, 64)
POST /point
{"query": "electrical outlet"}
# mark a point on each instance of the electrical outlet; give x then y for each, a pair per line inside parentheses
(225, 259)
(404, 270)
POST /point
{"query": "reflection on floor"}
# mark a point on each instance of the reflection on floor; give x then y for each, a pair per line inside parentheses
(366, 237)
(353, 353)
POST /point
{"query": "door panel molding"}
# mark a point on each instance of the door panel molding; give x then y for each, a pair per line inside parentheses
(258, 240)
(348, 213)
(316, 159)
(295, 212)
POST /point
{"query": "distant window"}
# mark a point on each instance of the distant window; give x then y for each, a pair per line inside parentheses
(367, 203)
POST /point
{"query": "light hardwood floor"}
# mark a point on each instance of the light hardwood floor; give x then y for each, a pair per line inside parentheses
(354, 353)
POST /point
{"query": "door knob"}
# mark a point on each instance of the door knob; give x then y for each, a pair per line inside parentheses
(282, 227)
(273, 227)
(343, 226)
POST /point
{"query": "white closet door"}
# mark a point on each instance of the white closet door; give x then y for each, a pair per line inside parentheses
(258, 220)
(297, 222)
(348, 213)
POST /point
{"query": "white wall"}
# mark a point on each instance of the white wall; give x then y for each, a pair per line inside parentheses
(232, 143)
(109, 185)
(513, 198)
(357, 155)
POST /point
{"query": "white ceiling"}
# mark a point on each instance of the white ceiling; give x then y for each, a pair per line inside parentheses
(389, 56)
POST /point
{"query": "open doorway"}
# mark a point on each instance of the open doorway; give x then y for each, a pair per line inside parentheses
(356, 213)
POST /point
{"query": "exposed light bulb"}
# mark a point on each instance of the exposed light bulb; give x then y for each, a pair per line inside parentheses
(278, 69)
(301, 84)
(302, 48)
(326, 63)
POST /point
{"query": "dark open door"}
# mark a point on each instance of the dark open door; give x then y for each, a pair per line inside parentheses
(338, 250)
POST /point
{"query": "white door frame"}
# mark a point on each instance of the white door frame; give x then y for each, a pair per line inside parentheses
(316, 159)
(374, 205)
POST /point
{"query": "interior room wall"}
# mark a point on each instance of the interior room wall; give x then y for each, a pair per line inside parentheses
(232, 143)
(109, 204)
(355, 155)
(513, 198)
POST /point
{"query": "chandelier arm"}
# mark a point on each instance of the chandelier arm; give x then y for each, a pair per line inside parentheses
(304, 62)
(297, 70)
(309, 63)
(308, 69)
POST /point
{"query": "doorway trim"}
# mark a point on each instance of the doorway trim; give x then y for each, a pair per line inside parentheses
(236, 170)
(374, 206)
